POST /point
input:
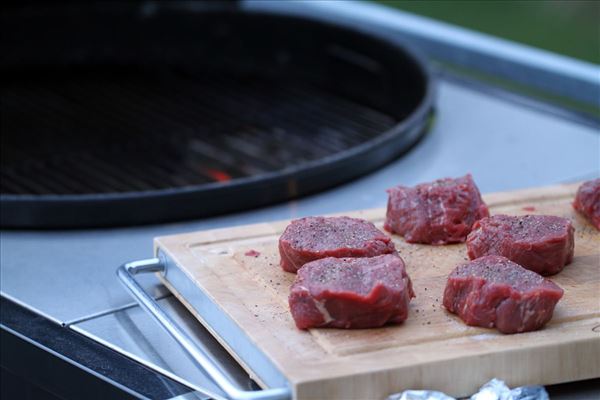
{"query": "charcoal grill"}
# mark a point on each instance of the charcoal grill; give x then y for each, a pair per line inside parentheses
(139, 113)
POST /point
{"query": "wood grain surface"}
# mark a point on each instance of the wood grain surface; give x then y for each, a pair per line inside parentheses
(432, 349)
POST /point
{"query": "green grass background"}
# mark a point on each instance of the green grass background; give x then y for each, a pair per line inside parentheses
(567, 27)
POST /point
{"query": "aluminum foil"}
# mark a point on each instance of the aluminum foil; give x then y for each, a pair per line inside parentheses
(420, 395)
(497, 390)
(493, 390)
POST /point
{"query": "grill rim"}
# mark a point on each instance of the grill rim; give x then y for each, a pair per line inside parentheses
(31, 211)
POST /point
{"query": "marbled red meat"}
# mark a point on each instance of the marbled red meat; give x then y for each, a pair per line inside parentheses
(439, 212)
(493, 291)
(312, 238)
(587, 201)
(541, 243)
(362, 292)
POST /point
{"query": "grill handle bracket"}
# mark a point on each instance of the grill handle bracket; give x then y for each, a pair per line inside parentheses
(126, 274)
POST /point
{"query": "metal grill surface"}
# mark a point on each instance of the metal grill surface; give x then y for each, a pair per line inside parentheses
(106, 131)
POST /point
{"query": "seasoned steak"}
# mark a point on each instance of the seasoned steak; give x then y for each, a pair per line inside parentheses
(439, 212)
(351, 292)
(541, 243)
(587, 201)
(312, 238)
(493, 291)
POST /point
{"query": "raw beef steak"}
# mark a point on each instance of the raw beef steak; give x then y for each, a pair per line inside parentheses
(439, 212)
(587, 201)
(494, 291)
(362, 292)
(541, 243)
(312, 238)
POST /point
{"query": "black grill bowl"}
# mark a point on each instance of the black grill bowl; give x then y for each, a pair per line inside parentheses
(125, 113)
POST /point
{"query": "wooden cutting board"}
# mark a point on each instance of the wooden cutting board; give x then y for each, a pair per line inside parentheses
(432, 349)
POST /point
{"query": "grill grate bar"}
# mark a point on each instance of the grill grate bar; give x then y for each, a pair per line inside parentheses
(362, 115)
(223, 108)
(11, 184)
(198, 132)
(96, 173)
(42, 184)
(220, 136)
(331, 110)
(97, 131)
(296, 129)
(322, 116)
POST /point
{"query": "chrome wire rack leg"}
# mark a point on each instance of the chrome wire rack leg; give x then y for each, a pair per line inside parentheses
(126, 274)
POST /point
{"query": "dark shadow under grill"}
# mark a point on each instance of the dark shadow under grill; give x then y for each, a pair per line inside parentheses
(93, 133)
